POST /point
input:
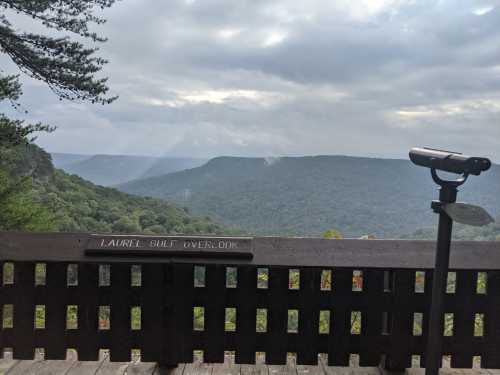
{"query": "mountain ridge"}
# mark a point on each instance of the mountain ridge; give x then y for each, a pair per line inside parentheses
(308, 195)
(42, 197)
(110, 170)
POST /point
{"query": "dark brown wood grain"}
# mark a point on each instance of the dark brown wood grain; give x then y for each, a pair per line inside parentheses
(55, 346)
(340, 339)
(215, 314)
(277, 318)
(402, 254)
(153, 312)
(88, 298)
(121, 304)
(309, 294)
(2, 301)
(23, 299)
(246, 315)
(167, 297)
(182, 308)
(491, 356)
(399, 351)
(375, 303)
(464, 314)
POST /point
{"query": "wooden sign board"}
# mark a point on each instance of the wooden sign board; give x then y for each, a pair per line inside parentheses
(165, 246)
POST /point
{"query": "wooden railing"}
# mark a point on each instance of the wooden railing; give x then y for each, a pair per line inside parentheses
(268, 297)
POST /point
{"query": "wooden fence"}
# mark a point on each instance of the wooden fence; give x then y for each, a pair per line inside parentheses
(267, 297)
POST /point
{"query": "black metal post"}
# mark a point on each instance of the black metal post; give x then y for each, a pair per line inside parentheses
(433, 355)
(451, 162)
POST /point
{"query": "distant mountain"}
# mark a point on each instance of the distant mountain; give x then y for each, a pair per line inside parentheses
(308, 195)
(67, 203)
(61, 159)
(164, 166)
(109, 170)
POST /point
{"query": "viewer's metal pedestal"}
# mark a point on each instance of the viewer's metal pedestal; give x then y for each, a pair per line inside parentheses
(447, 194)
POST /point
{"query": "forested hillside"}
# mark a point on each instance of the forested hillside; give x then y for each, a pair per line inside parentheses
(36, 196)
(308, 195)
(109, 170)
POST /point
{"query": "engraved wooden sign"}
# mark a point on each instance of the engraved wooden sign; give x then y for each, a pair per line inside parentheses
(178, 246)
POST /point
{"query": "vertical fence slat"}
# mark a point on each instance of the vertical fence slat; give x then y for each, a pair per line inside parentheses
(2, 301)
(183, 298)
(491, 357)
(153, 286)
(170, 348)
(88, 343)
(23, 300)
(55, 322)
(463, 322)
(309, 295)
(399, 354)
(246, 315)
(340, 328)
(276, 343)
(215, 313)
(371, 345)
(121, 338)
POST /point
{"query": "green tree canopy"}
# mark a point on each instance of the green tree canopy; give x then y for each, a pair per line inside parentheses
(19, 209)
(68, 66)
(333, 234)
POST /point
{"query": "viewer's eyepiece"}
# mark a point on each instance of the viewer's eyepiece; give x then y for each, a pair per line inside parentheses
(449, 161)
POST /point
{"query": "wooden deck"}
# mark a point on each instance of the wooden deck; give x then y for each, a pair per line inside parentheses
(104, 367)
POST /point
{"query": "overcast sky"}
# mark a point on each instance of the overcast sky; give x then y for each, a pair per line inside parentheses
(288, 77)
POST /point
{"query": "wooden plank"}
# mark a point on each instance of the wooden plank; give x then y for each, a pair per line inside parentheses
(121, 339)
(55, 367)
(85, 368)
(23, 300)
(246, 314)
(491, 356)
(338, 370)
(170, 356)
(463, 320)
(454, 371)
(366, 371)
(2, 301)
(112, 368)
(309, 295)
(399, 353)
(215, 314)
(7, 364)
(402, 254)
(55, 309)
(259, 369)
(29, 367)
(141, 368)
(197, 368)
(277, 318)
(282, 370)
(374, 304)
(427, 297)
(342, 370)
(153, 330)
(310, 370)
(88, 293)
(226, 369)
(340, 319)
(179, 370)
(183, 297)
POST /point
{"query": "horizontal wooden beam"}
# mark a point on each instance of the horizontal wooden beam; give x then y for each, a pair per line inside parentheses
(272, 251)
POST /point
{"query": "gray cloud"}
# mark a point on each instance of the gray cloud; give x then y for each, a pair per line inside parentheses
(206, 78)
